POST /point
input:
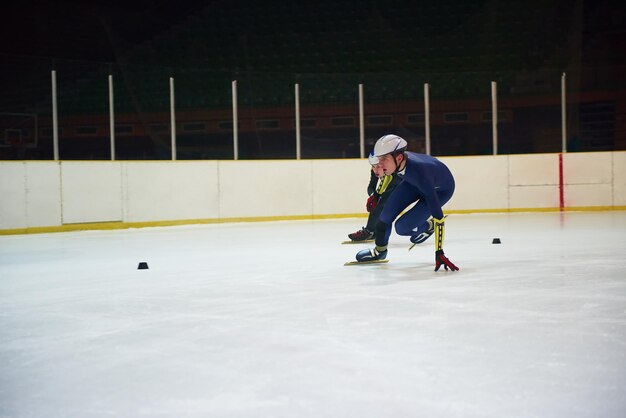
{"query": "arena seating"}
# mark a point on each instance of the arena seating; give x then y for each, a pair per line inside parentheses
(329, 47)
(391, 47)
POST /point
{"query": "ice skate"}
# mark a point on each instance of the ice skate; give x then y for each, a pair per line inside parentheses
(372, 256)
(418, 239)
(361, 235)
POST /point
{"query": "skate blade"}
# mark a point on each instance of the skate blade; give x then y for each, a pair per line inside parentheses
(367, 241)
(355, 263)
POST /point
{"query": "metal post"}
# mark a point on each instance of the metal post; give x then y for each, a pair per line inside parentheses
(427, 117)
(235, 122)
(361, 122)
(55, 117)
(298, 137)
(563, 114)
(494, 115)
(172, 119)
(111, 118)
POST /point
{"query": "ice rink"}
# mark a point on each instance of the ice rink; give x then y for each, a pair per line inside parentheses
(264, 320)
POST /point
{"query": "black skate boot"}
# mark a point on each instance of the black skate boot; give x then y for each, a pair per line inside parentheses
(362, 235)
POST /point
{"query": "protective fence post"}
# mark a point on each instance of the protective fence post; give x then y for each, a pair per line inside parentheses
(494, 116)
(111, 118)
(55, 117)
(172, 119)
(361, 122)
(235, 122)
(427, 118)
(298, 137)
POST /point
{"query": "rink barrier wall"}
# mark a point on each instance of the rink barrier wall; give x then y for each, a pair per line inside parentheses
(51, 196)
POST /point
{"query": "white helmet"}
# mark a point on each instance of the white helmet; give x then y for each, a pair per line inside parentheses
(389, 144)
(372, 158)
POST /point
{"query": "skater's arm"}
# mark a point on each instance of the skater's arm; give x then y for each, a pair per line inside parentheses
(384, 183)
(426, 186)
(371, 187)
(440, 257)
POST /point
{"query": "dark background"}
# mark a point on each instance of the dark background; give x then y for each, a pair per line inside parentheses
(88, 30)
(392, 47)
(101, 30)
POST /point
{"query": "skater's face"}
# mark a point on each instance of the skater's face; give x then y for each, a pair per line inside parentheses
(389, 164)
(378, 171)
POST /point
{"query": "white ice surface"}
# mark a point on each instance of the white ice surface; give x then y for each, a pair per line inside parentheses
(263, 320)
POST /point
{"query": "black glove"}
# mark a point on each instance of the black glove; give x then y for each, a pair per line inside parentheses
(442, 260)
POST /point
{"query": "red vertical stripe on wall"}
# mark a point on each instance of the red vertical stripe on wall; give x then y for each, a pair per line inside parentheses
(561, 197)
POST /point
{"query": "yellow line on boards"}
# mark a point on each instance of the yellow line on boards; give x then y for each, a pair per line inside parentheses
(127, 225)
(90, 226)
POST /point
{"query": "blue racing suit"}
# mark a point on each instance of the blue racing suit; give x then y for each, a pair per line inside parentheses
(426, 181)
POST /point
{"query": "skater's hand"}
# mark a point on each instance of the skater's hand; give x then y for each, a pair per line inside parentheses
(372, 201)
(442, 260)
